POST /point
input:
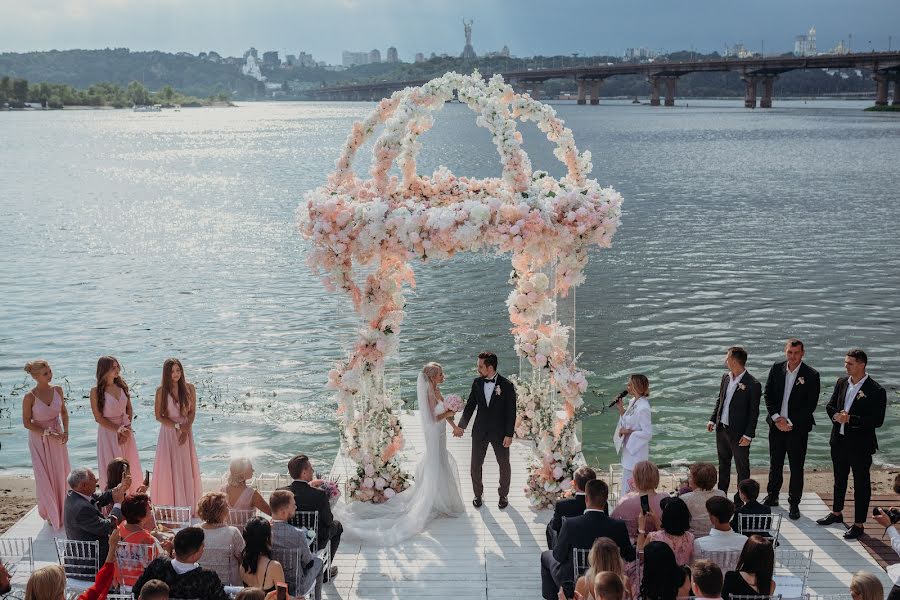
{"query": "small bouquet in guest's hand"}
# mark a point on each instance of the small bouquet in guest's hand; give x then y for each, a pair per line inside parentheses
(333, 490)
(454, 402)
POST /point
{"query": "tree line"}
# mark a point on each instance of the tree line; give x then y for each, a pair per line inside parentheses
(16, 92)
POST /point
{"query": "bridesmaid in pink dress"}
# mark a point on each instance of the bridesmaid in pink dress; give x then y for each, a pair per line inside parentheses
(111, 405)
(45, 417)
(176, 472)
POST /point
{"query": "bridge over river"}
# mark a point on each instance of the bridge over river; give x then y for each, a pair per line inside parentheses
(662, 77)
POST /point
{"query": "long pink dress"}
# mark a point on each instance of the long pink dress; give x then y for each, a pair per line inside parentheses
(176, 472)
(50, 460)
(108, 446)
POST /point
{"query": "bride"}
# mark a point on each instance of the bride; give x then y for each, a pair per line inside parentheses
(435, 492)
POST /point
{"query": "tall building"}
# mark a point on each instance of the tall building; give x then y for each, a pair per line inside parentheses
(420, 57)
(251, 52)
(805, 45)
(251, 68)
(352, 59)
(375, 56)
(468, 51)
(392, 56)
(270, 58)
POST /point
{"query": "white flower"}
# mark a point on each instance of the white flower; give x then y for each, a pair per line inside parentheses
(541, 281)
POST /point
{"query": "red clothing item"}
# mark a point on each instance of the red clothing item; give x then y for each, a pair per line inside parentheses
(101, 586)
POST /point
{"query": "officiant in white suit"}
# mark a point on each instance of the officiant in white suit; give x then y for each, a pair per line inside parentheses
(635, 428)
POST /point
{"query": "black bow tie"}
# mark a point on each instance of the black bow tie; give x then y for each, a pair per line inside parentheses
(493, 380)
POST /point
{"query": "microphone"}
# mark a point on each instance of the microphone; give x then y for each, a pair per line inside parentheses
(619, 397)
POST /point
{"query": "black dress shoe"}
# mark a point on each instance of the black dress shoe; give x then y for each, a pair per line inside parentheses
(794, 512)
(503, 502)
(830, 518)
(854, 532)
(771, 500)
(330, 574)
(477, 502)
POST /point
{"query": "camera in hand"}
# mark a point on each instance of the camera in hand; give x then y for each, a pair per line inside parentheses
(892, 513)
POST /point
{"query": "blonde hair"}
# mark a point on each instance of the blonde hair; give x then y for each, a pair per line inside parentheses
(36, 365)
(646, 476)
(47, 583)
(867, 586)
(237, 471)
(640, 383)
(213, 507)
(604, 556)
(431, 371)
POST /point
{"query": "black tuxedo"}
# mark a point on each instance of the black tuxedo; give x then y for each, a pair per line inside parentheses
(853, 450)
(743, 413)
(309, 498)
(493, 422)
(802, 403)
(753, 507)
(579, 532)
(570, 507)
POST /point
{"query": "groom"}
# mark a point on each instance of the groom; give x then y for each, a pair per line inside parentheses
(495, 398)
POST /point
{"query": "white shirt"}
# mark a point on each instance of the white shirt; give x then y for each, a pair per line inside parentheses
(893, 571)
(729, 393)
(719, 541)
(489, 390)
(182, 568)
(790, 378)
(850, 396)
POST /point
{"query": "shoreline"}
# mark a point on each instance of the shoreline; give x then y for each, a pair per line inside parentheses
(17, 491)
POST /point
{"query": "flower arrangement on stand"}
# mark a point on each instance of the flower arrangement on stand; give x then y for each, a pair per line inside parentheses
(386, 221)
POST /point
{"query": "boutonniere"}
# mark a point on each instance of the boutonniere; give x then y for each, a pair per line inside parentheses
(860, 395)
(800, 381)
(742, 386)
(497, 390)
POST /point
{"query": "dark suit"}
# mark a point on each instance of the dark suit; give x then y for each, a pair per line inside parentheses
(743, 413)
(493, 422)
(309, 498)
(751, 508)
(84, 521)
(853, 450)
(570, 507)
(579, 532)
(197, 583)
(802, 402)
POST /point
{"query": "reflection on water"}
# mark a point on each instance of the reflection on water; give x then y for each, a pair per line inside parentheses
(150, 235)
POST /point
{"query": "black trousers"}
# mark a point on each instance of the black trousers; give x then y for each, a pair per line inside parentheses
(846, 460)
(894, 594)
(552, 534)
(551, 579)
(793, 444)
(479, 451)
(728, 449)
(334, 534)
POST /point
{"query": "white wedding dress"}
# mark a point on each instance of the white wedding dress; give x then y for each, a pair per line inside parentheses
(435, 491)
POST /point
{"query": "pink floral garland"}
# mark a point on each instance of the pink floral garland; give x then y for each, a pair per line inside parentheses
(386, 221)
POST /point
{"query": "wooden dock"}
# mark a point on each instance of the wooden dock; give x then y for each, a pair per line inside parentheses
(494, 554)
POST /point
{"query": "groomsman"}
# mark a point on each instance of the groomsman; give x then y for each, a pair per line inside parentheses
(856, 408)
(734, 418)
(792, 394)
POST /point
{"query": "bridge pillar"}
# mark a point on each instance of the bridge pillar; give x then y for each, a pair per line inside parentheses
(750, 82)
(670, 90)
(768, 91)
(654, 90)
(896, 101)
(595, 91)
(881, 89)
(582, 91)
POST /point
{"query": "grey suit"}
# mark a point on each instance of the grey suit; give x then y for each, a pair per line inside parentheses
(84, 522)
(287, 537)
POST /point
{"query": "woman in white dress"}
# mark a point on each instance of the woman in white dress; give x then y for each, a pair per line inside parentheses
(635, 429)
(435, 491)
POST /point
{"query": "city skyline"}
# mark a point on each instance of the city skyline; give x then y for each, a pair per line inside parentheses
(327, 29)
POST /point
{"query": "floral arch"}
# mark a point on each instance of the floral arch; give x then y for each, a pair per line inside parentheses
(385, 222)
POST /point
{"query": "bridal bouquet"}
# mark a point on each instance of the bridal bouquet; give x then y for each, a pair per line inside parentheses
(454, 402)
(332, 489)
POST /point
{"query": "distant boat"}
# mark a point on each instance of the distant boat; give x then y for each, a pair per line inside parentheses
(635, 101)
(147, 108)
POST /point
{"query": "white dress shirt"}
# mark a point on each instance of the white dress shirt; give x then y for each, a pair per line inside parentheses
(182, 568)
(489, 389)
(637, 417)
(893, 571)
(790, 378)
(850, 396)
(729, 394)
(718, 541)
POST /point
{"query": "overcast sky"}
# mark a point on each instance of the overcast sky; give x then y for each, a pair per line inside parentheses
(528, 27)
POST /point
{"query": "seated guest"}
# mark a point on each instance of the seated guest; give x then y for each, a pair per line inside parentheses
(753, 574)
(82, 517)
(580, 532)
(185, 578)
(663, 578)
(721, 537)
(240, 495)
(865, 586)
(569, 507)
(49, 583)
(5, 580)
(287, 537)
(609, 586)
(604, 558)
(309, 498)
(748, 490)
(702, 481)
(218, 535)
(250, 594)
(673, 530)
(135, 510)
(706, 580)
(154, 590)
(646, 480)
(258, 569)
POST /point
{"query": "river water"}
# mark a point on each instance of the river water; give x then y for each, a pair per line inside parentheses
(173, 233)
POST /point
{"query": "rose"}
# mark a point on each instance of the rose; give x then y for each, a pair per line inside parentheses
(369, 470)
(389, 493)
(380, 483)
(368, 483)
